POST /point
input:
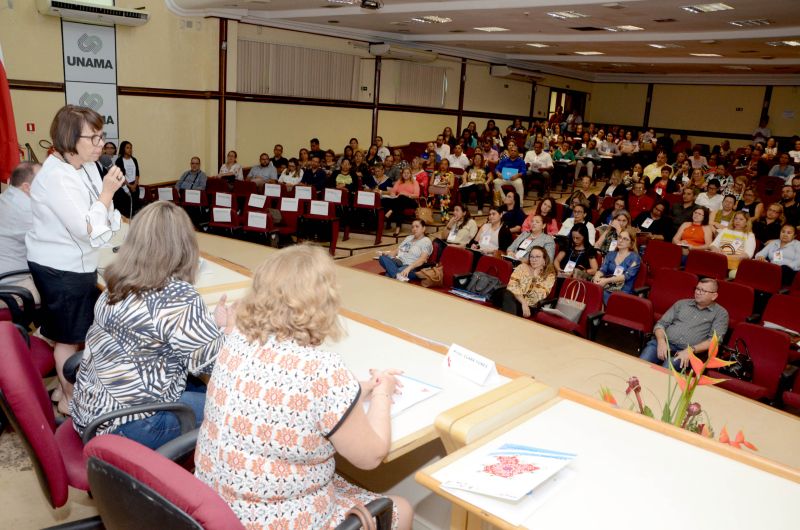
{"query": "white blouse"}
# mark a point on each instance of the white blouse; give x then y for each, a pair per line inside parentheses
(236, 169)
(290, 179)
(64, 200)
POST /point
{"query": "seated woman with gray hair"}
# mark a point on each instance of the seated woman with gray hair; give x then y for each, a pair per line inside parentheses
(280, 405)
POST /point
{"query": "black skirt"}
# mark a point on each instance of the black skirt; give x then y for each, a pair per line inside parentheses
(68, 300)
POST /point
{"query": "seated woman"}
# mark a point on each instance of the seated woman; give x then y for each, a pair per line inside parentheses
(664, 185)
(346, 155)
(280, 407)
(461, 227)
(292, 175)
(360, 168)
(607, 242)
(151, 328)
(329, 162)
(493, 236)
(578, 259)
(475, 180)
(785, 252)
(695, 234)
(724, 216)
(534, 237)
(344, 179)
(444, 179)
(303, 159)
(372, 157)
(768, 226)
(402, 196)
(620, 267)
(736, 240)
(420, 175)
(513, 214)
(231, 168)
(607, 215)
(698, 181)
(412, 253)
(547, 210)
(530, 283)
(654, 222)
(750, 204)
(578, 217)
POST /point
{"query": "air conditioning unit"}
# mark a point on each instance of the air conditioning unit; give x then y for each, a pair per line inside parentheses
(388, 51)
(518, 74)
(93, 14)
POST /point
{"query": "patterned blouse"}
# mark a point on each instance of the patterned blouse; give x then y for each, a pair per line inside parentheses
(139, 351)
(264, 445)
(533, 288)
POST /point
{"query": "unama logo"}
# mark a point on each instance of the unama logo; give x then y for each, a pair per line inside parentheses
(91, 100)
(90, 43)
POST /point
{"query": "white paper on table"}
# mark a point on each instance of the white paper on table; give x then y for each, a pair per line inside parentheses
(257, 219)
(193, 196)
(222, 215)
(272, 190)
(256, 200)
(508, 471)
(302, 192)
(141, 192)
(471, 365)
(319, 208)
(289, 204)
(366, 198)
(333, 195)
(224, 199)
(164, 194)
(412, 392)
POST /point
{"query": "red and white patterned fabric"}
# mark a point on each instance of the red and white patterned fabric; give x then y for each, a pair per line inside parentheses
(264, 446)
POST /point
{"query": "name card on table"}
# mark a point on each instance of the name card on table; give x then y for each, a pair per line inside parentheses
(257, 219)
(193, 196)
(272, 190)
(224, 199)
(289, 204)
(256, 200)
(222, 215)
(142, 192)
(319, 208)
(469, 364)
(366, 198)
(302, 192)
(333, 195)
(164, 194)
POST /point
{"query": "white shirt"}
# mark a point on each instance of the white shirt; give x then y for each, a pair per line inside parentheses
(712, 203)
(291, 179)
(16, 220)
(383, 152)
(442, 150)
(63, 201)
(569, 223)
(795, 155)
(130, 169)
(460, 161)
(536, 162)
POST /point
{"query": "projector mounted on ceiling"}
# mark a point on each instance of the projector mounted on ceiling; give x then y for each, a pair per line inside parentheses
(371, 4)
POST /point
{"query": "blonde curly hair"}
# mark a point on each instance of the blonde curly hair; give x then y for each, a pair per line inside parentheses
(294, 296)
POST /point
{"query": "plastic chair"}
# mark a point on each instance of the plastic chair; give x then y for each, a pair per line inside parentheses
(56, 453)
(659, 254)
(738, 301)
(591, 313)
(136, 487)
(630, 312)
(668, 287)
(707, 264)
(782, 311)
(769, 350)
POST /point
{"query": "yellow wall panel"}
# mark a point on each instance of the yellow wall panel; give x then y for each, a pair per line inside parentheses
(38, 108)
(784, 111)
(707, 107)
(541, 105)
(484, 93)
(617, 103)
(556, 81)
(31, 43)
(167, 132)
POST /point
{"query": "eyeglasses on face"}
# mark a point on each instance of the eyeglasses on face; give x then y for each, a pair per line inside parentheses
(704, 291)
(96, 139)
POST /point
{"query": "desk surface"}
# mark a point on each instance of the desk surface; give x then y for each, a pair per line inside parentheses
(555, 358)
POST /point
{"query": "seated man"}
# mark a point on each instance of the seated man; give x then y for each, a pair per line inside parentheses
(194, 178)
(279, 162)
(652, 172)
(587, 156)
(457, 158)
(510, 171)
(413, 252)
(638, 202)
(315, 175)
(791, 210)
(315, 149)
(264, 172)
(539, 164)
(688, 323)
(16, 219)
(711, 198)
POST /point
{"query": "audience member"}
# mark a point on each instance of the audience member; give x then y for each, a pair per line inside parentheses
(791, 210)
(264, 172)
(607, 242)
(151, 328)
(534, 236)
(750, 204)
(126, 200)
(652, 172)
(412, 253)
(762, 132)
(231, 167)
(588, 157)
(724, 216)
(461, 228)
(457, 158)
(403, 196)
(292, 175)
(564, 162)
(695, 234)
(687, 324)
(639, 203)
(315, 149)
(768, 226)
(343, 179)
(194, 178)
(547, 210)
(73, 216)
(783, 169)
(664, 184)
(513, 214)
(620, 266)
(794, 154)
(315, 175)
(279, 162)
(784, 251)
(682, 212)
(710, 198)
(475, 181)
(697, 160)
(310, 406)
(654, 222)
(578, 259)
(494, 236)
(539, 164)
(579, 217)
(510, 171)
(16, 220)
(442, 148)
(736, 240)
(109, 155)
(530, 283)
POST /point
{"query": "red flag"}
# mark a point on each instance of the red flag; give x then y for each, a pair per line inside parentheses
(9, 148)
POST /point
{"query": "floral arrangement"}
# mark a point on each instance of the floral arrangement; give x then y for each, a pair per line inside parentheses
(444, 207)
(679, 408)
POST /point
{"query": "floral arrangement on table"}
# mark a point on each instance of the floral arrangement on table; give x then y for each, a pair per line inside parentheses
(679, 409)
(444, 207)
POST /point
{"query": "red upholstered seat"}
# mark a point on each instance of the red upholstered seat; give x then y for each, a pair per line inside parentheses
(708, 264)
(668, 287)
(455, 261)
(760, 275)
(42, 356)
(589, 293)
(71, 447)
(629, 311)
(738, 300)
(659, 254)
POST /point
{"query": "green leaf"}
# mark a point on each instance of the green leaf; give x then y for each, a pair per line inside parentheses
(648, 412)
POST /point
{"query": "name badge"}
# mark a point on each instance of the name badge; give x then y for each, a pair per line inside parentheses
(660, 191)
(619, 271)
(777, 257)
(486, 239)
(647, 222)
(570, 267)
(525, 244)
(737, 244)
(451, 236)
(724, 223)
(613, 246)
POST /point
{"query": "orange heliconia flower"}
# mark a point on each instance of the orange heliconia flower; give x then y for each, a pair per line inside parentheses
(607, 396)
(737, 442)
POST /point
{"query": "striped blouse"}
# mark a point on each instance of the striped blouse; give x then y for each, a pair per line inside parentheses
(139, 351)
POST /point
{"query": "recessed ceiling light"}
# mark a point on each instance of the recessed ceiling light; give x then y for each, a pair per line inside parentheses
(537, 45)
(665, 46)
(432, 19)
(491, 29)
(563, 15)
(590, 53)
(737, 67)
(706, 8)
(706, 54)
(623, 28)
(785, 43)
(751, 22)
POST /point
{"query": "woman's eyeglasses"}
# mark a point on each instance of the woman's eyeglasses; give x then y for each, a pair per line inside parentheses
(96, 139)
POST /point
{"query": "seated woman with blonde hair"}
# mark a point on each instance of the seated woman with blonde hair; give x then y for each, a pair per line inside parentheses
(151, 328)
(280, 407)
(736, 240)
(530, 283)
(620, 267)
